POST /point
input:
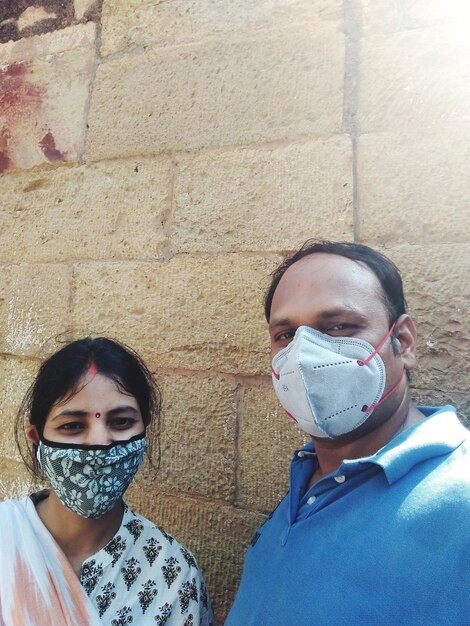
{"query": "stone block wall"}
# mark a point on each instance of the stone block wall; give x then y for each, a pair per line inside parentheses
(158, 159)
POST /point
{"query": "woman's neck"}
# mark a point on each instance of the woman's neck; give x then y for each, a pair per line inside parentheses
(78, 537)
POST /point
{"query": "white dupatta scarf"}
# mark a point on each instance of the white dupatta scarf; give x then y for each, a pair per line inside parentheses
(38, 586)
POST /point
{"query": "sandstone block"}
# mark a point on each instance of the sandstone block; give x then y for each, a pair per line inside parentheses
(109, 211)
(266, 198)
(400, 15)
(427, 84)
(44, 90)
(197, 437)
(34, 303)
(438, 397)
(15, 378)
(217, 534)
(414, 189)
(438, 292)
(191, 312)
(267, 440)
(15, 481)
(253, 89)
(142, 23)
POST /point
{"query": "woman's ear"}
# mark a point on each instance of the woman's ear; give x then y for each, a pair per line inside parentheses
(405, 334)
(32, 435)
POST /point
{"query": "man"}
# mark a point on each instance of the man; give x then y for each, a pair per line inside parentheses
(376, 526)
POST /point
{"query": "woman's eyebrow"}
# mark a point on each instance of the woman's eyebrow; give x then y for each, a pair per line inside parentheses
(80, 413)
(126, 408)
(70, 413)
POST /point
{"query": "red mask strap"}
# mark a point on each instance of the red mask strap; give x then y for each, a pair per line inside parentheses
(379, 347)
(366, 409)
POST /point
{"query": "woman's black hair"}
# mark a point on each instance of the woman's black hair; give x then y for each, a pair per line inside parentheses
(59, 377)
(385, 270)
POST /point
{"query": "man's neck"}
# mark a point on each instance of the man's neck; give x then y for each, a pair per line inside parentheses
(332, 452)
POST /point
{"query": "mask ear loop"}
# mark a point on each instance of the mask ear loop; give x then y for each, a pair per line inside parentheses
(365, 408)
(379, 347)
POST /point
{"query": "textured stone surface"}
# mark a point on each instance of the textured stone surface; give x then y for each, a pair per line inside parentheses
(217, 534)
(254, 89)
(267, 439)
(44, 83)
(15, 378)
(192, 312)
(110, 211)
(17, 19)
(34, 301)
(261, 199)
(127, 23)
(411, 14)
(427, 86)
(438, 293)
(15, 481)
(414, 189)
(433, 397)
(198, 435)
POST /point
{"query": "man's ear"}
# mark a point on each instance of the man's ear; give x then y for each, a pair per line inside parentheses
(32, 435)
(405, 334)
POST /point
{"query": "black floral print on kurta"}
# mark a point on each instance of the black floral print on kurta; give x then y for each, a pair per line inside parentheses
(130, 572)
(204, 595)
(166, 535)
(165, 612)
(188, 557)
(187, 592)
(90, 575)
(152, 550)
(189, 621)
(135, 528)
(105, 598)
(115, 548)
(124, 617)
(148, 594)
(171, 570)
(128, 585)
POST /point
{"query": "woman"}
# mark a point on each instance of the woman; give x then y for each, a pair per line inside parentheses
(76, 554)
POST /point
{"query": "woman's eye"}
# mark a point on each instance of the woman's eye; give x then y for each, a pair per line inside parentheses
(72, 427)
(122, 423)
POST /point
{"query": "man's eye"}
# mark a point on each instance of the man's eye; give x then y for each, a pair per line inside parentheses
(339, 327)
(285, 336)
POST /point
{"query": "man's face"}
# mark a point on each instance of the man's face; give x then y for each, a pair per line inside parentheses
(339, 297)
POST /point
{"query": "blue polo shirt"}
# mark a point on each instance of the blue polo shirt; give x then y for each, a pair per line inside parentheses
(383, 540)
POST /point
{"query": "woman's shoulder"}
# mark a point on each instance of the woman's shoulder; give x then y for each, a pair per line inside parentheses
(157, 542)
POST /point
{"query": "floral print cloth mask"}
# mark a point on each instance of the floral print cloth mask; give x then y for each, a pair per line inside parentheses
(89, 480)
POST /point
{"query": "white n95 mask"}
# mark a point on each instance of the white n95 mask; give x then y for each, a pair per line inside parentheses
(329, 385)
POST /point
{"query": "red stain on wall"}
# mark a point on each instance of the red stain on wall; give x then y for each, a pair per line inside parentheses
(47, 144)
(5, 162)
(20, 100)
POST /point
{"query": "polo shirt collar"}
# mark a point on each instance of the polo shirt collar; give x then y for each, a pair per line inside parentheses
(438, 434)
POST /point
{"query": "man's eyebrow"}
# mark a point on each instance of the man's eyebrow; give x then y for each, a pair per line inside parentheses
(323, 315)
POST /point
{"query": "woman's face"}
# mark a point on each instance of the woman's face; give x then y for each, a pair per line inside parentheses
(98, 414)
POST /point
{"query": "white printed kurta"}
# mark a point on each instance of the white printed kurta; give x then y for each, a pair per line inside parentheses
(142, 576)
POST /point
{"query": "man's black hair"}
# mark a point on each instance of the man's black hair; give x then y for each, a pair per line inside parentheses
(385, 270)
